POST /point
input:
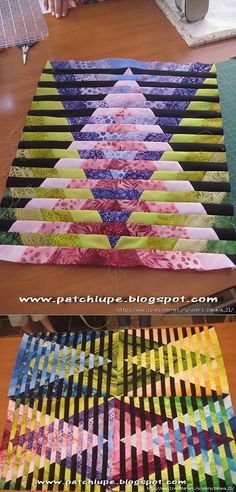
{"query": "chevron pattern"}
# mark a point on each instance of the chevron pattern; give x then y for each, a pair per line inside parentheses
(143, 362)
(122, 163)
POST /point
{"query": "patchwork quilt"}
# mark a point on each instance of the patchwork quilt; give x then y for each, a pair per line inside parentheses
(124, 163)
(140, 411)
(120, 444)
(143, 362)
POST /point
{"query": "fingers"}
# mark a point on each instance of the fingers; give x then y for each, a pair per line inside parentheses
(46, 4)
(58, 8)
(52, 7)
(64, 8)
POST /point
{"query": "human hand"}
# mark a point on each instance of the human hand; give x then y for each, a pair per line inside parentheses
(58, 8)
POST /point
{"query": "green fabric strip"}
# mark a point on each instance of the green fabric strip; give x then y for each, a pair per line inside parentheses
(147, 195)
(99, 241)
(226, 75)
(148, 218)
(35, 172)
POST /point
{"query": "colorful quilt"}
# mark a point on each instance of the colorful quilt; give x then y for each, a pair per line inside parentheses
(120, 444)
(122, 163)
(149, 362)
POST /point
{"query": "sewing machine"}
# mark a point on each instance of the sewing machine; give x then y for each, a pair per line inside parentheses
(193, 10)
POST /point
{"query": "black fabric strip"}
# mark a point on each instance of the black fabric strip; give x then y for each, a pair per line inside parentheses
(5, 225)
(232, 258)
(51, 477)
(192, 390)
(44, 144)
(62, 112)
(73, 469)
(185, 335)
(159, 333)
(168, 340)
(61, 474)
(39, 479)
(195, 130)
(172, 386)
(95, 448)
(111, 83)
(53, 70)
(75, 340)
(163, 384)
(9, 202)
(70, 97)
(178, 113)
(85, 83)
(101, 373)
(85, 452)
(121, 71)
(50, 163)
(143, 369)
(186, 113)
(100, 97)
(153, 382)
(104, 458)
(196, 147)
(17, 484)
(29, 481)
(176, 334)
(122, 444)
(143, 419)
(109, 365)
(203, 166)
(81, 374)
(70, 385)
(178, 97)
(218, 209)
(176, 73)
(210, 186)
(179, 146)
(173, 85)
(67, 408)
(72, 472)
(134, 460)
(157, 461)
(125, 362)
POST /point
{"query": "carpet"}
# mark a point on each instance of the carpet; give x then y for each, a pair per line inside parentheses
(218, 24)
(122, 163)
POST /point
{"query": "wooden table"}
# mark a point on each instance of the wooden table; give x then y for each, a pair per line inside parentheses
(9, 347)
(115, 28)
